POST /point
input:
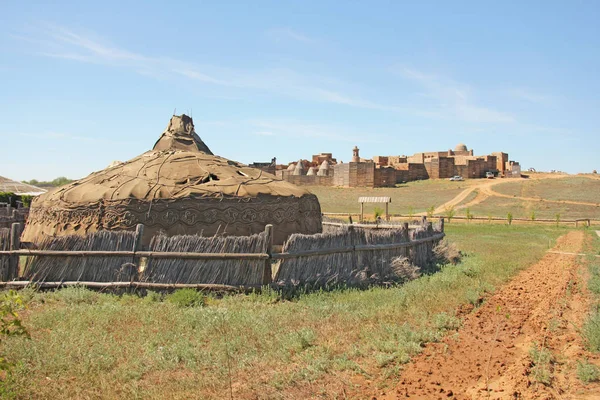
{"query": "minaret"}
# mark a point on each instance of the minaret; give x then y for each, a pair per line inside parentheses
(355, 156)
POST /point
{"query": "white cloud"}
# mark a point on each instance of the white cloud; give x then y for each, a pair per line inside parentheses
(60, 42)
(264, 133)
(454, 99)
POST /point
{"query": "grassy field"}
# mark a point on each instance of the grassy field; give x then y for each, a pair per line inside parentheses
(501, 206)
(574, 188)
(418, 195)
(90, 345)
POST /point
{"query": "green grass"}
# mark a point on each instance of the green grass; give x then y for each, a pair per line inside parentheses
(85, 344)
(501, 206)
(418, 195)
(574, 188)
(587, 372)
(591, 328)
(542, 360)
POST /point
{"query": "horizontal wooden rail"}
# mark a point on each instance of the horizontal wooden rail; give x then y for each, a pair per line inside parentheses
(308, 253)
(370, 226)
(216, 256)
(147, 254)
(124, 285)
(349, 249)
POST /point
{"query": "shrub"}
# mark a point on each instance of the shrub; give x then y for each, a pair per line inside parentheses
(587, 372)
(541, 359)
(378, 212)
(187, 298)
(450, 212)
(10, 323)
(26, 199)
(557, 218)
(591, 332)
(411, 212)
(8, 197)
(469, 214)
(509, 217)
(532, 215)
(430, 211)
(404, 270)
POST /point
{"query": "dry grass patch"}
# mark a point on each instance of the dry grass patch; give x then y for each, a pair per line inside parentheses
(404, 197)
(573, 188)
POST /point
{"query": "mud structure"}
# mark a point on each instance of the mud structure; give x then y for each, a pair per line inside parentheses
(179, 187)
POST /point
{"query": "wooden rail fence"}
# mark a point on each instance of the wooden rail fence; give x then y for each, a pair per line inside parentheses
(218, 263)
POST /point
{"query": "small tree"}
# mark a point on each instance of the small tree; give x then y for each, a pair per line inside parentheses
(450, 212)
(532, 215)
(489, 218)
(469, 214)
(377, 213)
(411, 212)
(509, 217)
(430, 211)
(557, 218)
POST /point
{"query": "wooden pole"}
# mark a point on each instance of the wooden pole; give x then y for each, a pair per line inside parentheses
(136, 285)
(442, 224)
(387, 215)
(362, 218)
(137, 246)
(268, 271)
(15, 243)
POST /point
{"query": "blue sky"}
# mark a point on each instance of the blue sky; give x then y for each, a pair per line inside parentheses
(82, 85)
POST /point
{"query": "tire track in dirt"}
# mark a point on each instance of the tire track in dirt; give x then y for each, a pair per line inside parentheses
(489, 358)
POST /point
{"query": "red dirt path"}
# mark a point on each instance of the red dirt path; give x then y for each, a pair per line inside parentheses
(489, 358)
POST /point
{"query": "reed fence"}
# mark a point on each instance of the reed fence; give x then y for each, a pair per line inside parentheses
(586, 222)
(9, 215)
(351, 255)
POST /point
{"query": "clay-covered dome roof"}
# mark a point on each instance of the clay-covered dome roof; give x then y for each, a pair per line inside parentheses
(180, 165)
(179, 187)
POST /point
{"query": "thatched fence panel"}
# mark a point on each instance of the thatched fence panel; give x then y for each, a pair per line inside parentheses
(355, 255)
(81, 268)
(235, 272)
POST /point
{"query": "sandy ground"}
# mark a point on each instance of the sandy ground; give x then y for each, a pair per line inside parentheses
(489, 357)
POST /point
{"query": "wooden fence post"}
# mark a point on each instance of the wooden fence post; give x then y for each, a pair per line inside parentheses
(134, 273)
(442, 224)
(268, 271)
(423, 220)
(15, 244)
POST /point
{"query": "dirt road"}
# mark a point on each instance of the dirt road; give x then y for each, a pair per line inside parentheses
(490, 356)
(485, 191)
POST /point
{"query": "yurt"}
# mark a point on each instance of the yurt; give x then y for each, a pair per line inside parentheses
(178, 187)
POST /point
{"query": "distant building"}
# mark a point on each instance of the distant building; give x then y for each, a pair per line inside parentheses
(387, 171)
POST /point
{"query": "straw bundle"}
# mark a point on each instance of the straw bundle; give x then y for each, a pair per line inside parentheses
(77, 268)
(237, 272)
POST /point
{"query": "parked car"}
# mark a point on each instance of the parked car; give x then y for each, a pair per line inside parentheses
(457, 178)
(489, 175)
